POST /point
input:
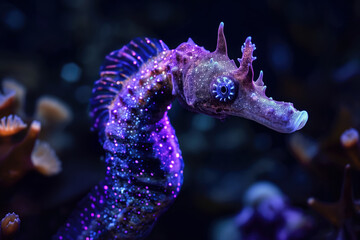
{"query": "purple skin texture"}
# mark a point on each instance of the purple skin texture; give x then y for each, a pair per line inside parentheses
(198, 69)
(129, 106)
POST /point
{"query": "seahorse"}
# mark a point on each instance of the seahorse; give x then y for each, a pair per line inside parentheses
(129, 105)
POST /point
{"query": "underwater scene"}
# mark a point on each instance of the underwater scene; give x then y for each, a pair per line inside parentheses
(157, 120)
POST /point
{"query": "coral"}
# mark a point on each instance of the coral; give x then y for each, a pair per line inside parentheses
(15, 159)
(11, 86)
(350, 141)
(350, 138)
(21, 150)
(304, 148)
(53, 112)
(7, 103)
(44, 159)
(10, 225)
(267, 215)
(343, 214)
(11, 125)
(338, 147)
(54, 115)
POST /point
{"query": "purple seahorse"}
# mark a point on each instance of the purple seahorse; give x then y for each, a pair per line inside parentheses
(129, 106)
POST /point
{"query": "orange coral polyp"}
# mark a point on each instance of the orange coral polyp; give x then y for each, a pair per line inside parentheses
(52, 110)
(10, 224)
(349, 138)
(44, 159)
(11, 125)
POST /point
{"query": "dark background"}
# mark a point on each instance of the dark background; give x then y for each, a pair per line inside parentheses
(309, 52)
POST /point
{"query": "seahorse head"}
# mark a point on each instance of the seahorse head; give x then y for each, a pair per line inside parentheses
(216, 86)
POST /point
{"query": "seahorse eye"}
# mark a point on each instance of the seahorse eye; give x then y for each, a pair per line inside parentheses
(223, 89)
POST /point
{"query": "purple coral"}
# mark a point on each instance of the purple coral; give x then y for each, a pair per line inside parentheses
(269, 216)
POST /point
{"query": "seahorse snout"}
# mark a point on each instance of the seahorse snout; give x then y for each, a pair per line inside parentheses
(301, 120)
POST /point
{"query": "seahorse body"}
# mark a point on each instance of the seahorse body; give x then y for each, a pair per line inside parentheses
(144, 167)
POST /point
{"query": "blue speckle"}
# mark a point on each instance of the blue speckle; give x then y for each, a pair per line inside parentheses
(14, 19)
(203, 122)
(71, 72)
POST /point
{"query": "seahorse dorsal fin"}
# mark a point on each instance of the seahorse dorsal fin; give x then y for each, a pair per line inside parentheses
(221, 41)
(118, 66)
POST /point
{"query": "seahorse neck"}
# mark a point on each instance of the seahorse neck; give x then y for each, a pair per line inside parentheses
(139, 131)
(149, 91)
